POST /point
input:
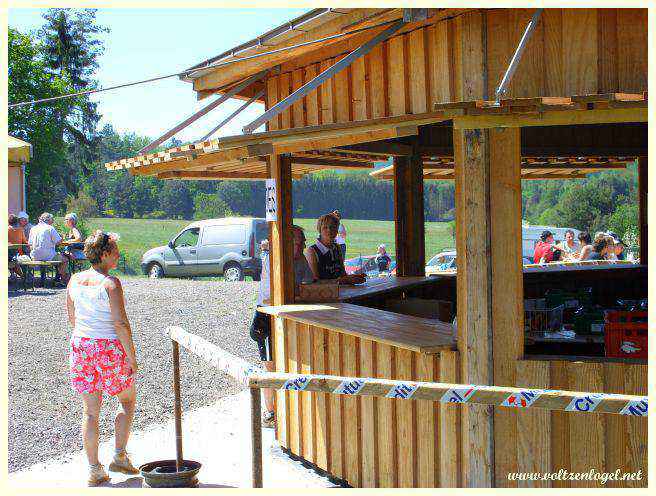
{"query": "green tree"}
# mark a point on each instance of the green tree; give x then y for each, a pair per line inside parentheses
(29, 80)
(82, 204)
(210, 206)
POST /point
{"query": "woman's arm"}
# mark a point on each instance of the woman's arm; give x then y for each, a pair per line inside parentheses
(121, 323)
(70, 306)
(585, 252)
(311, 257)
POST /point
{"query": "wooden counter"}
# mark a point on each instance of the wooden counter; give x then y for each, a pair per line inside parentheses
(402, 331)
(381, 285)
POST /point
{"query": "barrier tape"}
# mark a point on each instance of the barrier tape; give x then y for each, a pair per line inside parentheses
(508, 397)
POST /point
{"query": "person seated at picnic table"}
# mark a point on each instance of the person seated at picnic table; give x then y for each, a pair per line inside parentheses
(102, 354)
(569, 247)
(620, 254)
(546, 244)
(585, 242)
(16, 236)
(73, 237)
(600, 248)
(260, 330)
(325, 257)
(383, 260)
(43, 240)
(24, 222)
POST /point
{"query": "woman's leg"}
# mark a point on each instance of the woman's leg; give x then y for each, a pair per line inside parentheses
(90, 417)
(124, 416)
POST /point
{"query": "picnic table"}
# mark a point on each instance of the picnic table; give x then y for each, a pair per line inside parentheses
(29, 266)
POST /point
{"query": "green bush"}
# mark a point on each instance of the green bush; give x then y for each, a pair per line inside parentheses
(156, 214)
(82, 204)
(210, 206)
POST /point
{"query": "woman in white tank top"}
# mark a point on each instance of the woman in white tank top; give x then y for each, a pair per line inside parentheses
(102, 357)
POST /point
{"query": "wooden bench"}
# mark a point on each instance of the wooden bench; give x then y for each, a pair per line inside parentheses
(29, 266)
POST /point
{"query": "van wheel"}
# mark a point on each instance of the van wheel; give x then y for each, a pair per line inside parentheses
(233, 272)
(155, 271)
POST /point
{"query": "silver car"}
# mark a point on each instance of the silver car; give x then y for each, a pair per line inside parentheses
(214, 247)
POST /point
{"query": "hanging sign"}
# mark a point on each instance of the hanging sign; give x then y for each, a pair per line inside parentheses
(271, 204)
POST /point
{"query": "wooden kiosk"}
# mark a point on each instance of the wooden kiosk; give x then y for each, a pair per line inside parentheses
(422, 90)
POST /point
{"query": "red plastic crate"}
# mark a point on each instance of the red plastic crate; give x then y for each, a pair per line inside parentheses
(626, 339)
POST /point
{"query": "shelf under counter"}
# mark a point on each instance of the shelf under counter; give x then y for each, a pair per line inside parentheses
(402, 331)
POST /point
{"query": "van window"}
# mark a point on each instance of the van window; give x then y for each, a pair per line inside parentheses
(224, 235)
(187, 238)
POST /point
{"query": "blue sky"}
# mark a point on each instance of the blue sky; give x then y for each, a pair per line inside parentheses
(144, 43)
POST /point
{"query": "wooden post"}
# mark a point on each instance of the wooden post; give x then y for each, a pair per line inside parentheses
(490, 291)
(507, 288)
(177, 407)
(282, 271)
(256, 437)
(409, 216)
(642, 201)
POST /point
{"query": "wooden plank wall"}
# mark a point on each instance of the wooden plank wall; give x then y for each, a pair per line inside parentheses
(577, 442)
(572, 51)
(367, 441)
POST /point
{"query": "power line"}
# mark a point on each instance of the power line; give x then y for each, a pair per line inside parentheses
(188, 73)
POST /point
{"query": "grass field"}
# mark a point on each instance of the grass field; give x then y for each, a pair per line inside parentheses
(363, 236)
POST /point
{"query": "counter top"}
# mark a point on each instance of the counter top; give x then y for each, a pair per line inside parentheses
(374, 286)
(402, 331)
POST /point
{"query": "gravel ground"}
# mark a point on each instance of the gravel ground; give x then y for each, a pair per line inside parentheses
(44, 413)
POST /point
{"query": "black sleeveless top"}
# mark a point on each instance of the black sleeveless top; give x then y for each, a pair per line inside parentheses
(330, 264)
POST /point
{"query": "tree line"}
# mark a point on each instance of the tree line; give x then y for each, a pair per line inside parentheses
(67, 171)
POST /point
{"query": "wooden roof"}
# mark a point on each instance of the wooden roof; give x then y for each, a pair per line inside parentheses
(313, 25)
(18, 150)
(244, 156)
(441, 168)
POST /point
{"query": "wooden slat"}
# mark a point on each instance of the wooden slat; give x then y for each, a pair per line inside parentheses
(580, 56)
(552, 19)
(560, 427)
(369, 418)
(498, 48)
(306, 401)
(406, 431)
(636, 383)
(632, 50)
(533, 433)
(386, 439)
(440, 67)
(295, 415)
(471, 55)
(312, 98)
(280, 360)
(284, 89)
(351, 412)
(336, 464)
(359, 85)
(587, 447)
(272, 99)
(342, 96)
(428, 435)
(377, 80)
(320, 406)
(418, 83)
(327, 98)
(607, 50)
(449, 426)
(529, 76)
(618, 450)
(298, 112)
(396, 68)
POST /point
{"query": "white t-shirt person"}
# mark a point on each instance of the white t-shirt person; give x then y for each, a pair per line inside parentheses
(340, 239)
(43, 239)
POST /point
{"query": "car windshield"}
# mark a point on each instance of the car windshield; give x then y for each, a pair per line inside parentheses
(188, 238)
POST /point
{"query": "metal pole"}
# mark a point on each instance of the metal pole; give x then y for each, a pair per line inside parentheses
(178, 407)
(256, 436)
(232, 116)
(327, 74)
(514, 62)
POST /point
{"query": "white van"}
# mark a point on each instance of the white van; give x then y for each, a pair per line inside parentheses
(531, 235)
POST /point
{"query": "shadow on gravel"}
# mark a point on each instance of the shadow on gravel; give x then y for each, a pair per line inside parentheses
(136, 482)
(13, 293)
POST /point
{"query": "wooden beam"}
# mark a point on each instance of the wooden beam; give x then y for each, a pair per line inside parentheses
(328, 163)
(281, 243)
(507, 284)
(409, 216)
(474, 293)
(551, 118)
(642, 205)
(211, 176)
(382, 148)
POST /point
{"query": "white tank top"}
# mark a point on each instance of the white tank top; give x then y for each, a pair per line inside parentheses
(93, 317)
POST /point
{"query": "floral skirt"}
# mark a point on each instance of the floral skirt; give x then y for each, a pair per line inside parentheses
(99, 365)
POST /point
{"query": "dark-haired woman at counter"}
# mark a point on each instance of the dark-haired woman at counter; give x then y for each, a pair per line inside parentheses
(325, 257)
